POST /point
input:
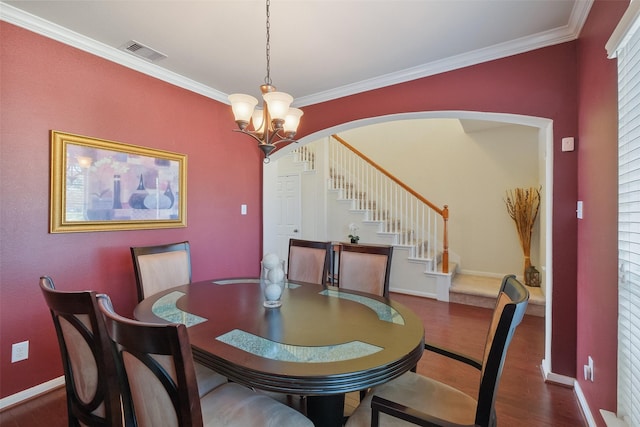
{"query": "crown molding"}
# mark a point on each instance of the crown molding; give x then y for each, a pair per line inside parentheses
(479, 56)
(56, 32)
(48, 29)
(525, 44)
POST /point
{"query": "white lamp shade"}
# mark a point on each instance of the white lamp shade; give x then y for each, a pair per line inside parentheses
(258, 120)
(278, 104)
(242, 106)
(292, 120)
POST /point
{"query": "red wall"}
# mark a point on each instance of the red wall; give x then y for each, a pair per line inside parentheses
(598, 188)
(575, 85)
(541, 83)
(47, 85)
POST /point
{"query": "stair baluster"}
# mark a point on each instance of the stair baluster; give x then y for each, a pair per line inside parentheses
(402, 211)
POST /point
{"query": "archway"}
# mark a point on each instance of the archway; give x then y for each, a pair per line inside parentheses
(545, 144)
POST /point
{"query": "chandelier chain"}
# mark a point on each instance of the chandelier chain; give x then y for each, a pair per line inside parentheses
(276, 122)
(267, 79)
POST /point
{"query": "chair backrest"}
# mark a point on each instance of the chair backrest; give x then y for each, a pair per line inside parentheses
(509, 310)
(93, 395)
(161, 267)
(158, 371)
(365, 268)
(308, 261)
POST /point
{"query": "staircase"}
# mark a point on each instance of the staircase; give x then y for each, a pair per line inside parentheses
(409, 274)
(386, 213)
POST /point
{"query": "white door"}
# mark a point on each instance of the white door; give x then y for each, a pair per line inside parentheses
(288, 212)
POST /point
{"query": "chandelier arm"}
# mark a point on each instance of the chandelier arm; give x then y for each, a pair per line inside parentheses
(277, 144)
(283, 138)
(253, 135)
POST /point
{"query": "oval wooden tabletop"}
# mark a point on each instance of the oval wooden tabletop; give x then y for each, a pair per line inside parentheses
(321, 341)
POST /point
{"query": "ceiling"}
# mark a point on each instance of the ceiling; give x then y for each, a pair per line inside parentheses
(320, 49)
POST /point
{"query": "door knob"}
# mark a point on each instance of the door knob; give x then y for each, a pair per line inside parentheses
(295, 230)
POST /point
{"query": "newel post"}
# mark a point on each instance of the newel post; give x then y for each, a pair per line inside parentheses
(445, 240)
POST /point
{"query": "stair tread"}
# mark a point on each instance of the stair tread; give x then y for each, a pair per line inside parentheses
(488, 286)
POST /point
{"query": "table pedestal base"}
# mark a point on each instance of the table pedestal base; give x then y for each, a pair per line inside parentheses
(326, 411)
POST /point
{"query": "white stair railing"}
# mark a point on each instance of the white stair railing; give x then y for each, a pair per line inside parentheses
(416, 222)
(306, 154)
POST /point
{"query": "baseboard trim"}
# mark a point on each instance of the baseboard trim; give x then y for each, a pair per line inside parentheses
(582, 402)
(612, 420)
(565, 381)
(558, 379)
(481, 273)
(413, 293)
(30, 393)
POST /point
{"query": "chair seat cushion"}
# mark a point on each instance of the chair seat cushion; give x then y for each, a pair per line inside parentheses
(421, 393)
(234, 405)
(207, 379)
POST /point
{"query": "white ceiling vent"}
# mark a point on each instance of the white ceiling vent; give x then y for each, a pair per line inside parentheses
(142, 51)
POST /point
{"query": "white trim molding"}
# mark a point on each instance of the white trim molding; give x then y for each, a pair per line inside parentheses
(584, 405)
(550, 377)
(563, 34)
(623, 30)
(30, 393)
(611, 420)
(56, 32)
(565, 381)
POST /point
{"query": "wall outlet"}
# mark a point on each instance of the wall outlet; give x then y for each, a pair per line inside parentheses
(19, 351)
(588, 370)
(579, 208)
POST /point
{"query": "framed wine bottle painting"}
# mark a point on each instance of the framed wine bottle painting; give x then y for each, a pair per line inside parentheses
(100, 185)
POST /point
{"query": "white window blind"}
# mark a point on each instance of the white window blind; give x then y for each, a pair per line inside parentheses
(627, 49)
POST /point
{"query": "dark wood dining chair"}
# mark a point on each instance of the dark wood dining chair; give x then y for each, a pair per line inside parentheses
(90, 373)
(159, 379)
(308, 261)
(413, 399)
(161, 267)
(365, 268)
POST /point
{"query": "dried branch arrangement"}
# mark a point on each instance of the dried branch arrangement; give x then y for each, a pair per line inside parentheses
(522, 205)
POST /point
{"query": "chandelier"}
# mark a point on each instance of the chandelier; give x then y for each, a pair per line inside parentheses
(275, 122)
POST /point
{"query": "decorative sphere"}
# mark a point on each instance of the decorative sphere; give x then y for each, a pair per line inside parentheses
(270, 261)
(272, 292)
(276, 275)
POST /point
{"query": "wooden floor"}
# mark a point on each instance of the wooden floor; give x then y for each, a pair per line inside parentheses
(523, 399)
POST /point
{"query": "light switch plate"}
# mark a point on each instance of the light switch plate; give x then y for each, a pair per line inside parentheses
(568, 144)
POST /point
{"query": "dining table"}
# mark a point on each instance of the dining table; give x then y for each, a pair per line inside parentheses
(321, 343)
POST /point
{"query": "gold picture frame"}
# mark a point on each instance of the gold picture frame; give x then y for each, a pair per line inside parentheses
(100, 185)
